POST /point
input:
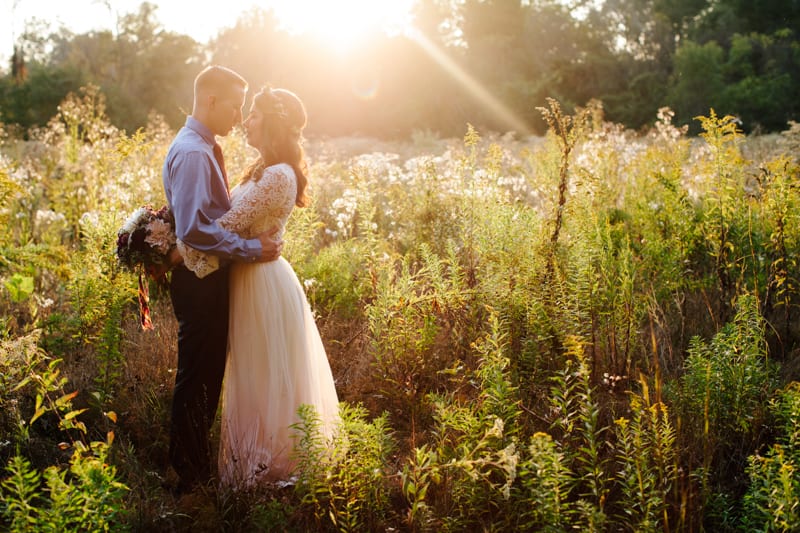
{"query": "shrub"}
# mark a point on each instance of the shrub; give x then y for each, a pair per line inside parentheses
(771, 501)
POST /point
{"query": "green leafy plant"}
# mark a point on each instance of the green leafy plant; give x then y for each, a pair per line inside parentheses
(19, 287)
(724, 203)
(344, 481)
(728, 380)
(464, 478)
(413, 309)
(545, 478)
(771, 502)
(84, 496)
(579, 428)
(646, 456)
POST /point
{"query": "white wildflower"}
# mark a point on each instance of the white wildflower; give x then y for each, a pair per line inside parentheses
(90, 218)
(497, 428)
(48, 216)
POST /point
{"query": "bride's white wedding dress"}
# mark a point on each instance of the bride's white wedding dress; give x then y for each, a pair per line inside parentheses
(276, 360)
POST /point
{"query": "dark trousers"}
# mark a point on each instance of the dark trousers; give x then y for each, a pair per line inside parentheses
(201, 307)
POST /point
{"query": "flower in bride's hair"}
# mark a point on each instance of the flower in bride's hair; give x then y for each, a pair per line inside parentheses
(276, 106)
(279, 110)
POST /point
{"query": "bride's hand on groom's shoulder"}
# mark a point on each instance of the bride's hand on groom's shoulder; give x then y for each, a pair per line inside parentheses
(271, 244)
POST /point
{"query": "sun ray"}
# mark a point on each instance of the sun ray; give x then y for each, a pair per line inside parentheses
(478, 91)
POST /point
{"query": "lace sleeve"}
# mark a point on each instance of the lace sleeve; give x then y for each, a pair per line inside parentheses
(272, 194)
(200, 263)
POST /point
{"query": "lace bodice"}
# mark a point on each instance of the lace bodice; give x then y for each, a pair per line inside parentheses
(256, 206)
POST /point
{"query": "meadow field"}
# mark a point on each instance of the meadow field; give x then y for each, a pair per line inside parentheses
(593, 330)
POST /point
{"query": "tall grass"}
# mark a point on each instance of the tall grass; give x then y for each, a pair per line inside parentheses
(592, 330)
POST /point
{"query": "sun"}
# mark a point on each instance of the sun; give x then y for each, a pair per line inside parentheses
(342, 24)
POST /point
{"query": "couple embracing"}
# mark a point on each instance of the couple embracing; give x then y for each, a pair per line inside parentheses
(241, 310)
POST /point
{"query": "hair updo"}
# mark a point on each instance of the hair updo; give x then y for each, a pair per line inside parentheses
(284, 120)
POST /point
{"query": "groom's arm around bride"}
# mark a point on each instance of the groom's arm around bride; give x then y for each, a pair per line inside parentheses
(196, 187)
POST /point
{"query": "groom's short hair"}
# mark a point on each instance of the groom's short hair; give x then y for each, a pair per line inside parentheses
(217, 79)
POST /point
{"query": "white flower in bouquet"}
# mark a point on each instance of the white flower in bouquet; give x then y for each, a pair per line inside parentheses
(160, 235)
(133, 221)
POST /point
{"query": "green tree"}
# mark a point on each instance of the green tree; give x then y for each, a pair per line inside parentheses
(35, 100)
(697, 80)
(725, 18)
(148, 68)
(762, 79)
(140, 67)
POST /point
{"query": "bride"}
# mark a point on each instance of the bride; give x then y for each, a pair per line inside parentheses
(276, 360)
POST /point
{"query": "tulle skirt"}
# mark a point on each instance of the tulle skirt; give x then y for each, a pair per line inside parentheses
(276, 363)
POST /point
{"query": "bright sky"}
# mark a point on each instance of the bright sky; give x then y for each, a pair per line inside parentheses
(202, 21)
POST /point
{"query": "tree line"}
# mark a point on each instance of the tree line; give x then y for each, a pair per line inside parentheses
(491, 63)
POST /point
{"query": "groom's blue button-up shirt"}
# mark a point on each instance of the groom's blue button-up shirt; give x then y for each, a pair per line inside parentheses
(198, 196)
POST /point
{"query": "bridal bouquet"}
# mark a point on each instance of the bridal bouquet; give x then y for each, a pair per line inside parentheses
(146, 238)
(144, 241)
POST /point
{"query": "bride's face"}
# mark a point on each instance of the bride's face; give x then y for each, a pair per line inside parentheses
(254, 127)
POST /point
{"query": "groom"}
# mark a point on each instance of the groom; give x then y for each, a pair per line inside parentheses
(196, 187)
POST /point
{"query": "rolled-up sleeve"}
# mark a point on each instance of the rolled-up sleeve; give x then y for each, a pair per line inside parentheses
(191, 193)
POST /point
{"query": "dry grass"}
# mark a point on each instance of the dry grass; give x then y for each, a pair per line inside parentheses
(150, 360)
(346, 345)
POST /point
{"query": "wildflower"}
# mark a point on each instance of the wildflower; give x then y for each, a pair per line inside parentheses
(47, 216)
(497, 428)
(90, 218)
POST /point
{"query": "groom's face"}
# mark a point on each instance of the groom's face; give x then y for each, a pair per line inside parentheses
(228, 111)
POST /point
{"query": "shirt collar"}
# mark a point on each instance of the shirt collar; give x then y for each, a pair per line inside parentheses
(200, 128)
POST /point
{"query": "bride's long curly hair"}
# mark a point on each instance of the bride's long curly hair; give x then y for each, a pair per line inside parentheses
(285, 117)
